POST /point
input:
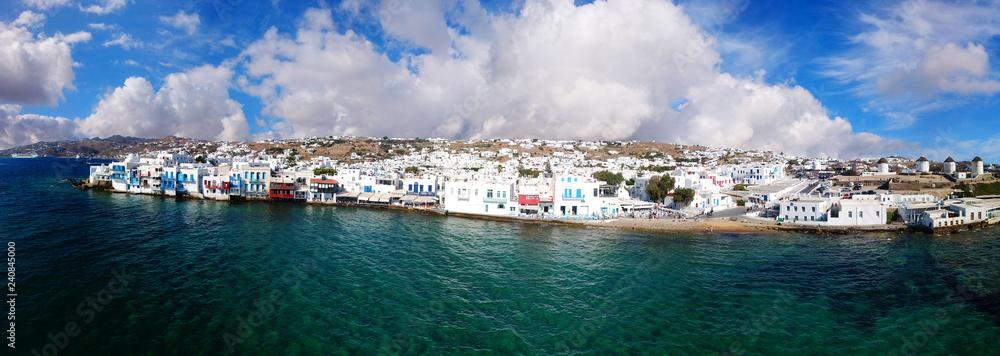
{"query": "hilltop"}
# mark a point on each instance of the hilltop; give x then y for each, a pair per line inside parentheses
(344, 149)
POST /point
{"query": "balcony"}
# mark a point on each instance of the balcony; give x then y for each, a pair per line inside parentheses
(572, 197)
(494, 199)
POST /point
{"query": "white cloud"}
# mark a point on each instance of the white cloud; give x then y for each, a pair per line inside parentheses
(747, 113)
(102, 26)
(192, 104)
(106, 7)
(229, 41)
(18, 129)
(910, 57)
(608, 70)
(124, 41)
(182, 20)
(46, 4)
(29, 19)
(422, 24)
(944, 69)
(35, 69)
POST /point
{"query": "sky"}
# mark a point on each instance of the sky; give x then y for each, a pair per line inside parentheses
(837, 79)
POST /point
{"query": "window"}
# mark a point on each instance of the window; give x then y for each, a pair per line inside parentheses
(850, 214)
(878, 214)
(579, 193)
(861, 214)
(814, 209)
(489, 193)
(476, 191)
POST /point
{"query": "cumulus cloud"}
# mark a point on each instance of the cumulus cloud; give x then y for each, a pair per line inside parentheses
(193, 104)
(608, 70)
(46, 4)
(18, 129)
(182, 20)
(105, 7)
(748, 113)
(35, 69)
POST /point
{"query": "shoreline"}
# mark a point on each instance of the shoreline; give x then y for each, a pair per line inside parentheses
(667, 226)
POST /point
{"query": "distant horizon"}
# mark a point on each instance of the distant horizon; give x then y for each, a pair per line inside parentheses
(818, 79)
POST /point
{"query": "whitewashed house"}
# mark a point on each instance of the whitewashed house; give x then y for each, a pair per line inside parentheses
(849, 212)
(481, 197)
(805, 210)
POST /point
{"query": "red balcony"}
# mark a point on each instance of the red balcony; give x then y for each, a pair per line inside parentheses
(528, 200)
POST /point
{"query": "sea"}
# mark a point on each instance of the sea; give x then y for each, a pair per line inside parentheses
(100, 273)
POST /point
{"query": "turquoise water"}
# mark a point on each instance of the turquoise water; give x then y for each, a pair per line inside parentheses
(251, 278)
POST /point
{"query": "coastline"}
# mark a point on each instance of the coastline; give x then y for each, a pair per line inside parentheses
(665, 226)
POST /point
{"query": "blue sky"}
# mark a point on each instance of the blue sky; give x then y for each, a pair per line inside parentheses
(825, 78)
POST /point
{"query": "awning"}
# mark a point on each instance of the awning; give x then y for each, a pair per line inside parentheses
(408, 198)
(529, 207)
(426, 200)
(384, 198)
(349, 195)
(365, 196)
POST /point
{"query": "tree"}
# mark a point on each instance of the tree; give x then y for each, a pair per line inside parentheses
(548, 169)
(199, 159)
(630, 182)
(324, 171)
(610, 178)
(658, 187)
(740, 187)
(531, 173)
(411, 169)
(683, 196)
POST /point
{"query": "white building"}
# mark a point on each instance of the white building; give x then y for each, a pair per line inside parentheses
(854, 213)
(805, 210)
(215, 183)
(584, 196)
(481, 197)
(757, 175)
(942, 218)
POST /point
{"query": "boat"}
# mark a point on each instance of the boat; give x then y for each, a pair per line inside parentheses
(24, 155)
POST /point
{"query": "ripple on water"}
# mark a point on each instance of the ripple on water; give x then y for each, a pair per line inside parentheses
(369, 281)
